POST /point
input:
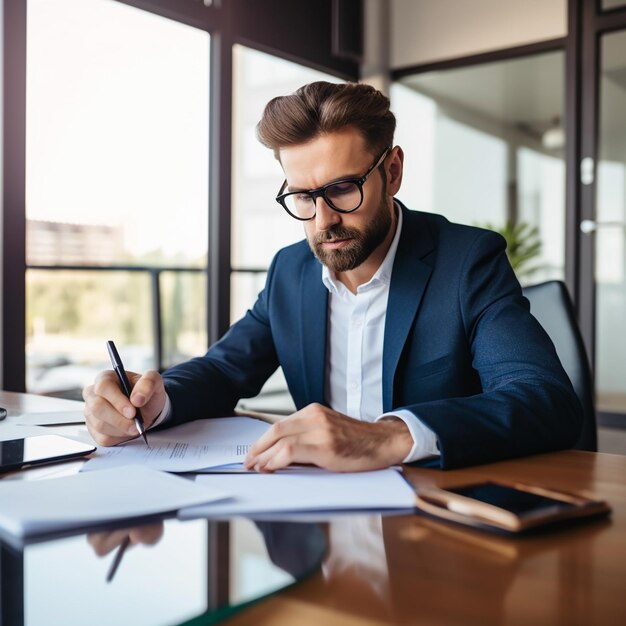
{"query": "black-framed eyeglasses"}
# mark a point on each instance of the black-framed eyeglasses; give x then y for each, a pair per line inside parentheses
(343, 196)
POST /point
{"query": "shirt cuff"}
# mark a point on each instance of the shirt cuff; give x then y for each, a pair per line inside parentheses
(164, 415)
(424, 439)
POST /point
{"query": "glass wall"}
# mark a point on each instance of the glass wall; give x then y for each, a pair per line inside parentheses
(610, 262)
(484, 146)
(260, 227)
(117, 176)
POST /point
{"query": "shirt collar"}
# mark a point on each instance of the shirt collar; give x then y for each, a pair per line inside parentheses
(383, 273)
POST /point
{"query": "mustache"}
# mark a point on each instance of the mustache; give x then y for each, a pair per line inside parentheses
(333, 233)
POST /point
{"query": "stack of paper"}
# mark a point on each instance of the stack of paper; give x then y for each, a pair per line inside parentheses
(128, 484)
(304, 492)
(29, 508)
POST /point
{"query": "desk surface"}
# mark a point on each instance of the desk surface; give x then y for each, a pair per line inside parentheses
(440, 574)
(427, 572)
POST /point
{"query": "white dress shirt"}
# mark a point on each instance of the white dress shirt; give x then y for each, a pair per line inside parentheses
(354, 365)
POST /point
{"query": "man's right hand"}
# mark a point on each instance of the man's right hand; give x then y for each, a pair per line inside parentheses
(109, 413)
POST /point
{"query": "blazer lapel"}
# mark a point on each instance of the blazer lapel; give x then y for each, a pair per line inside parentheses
(408, 281)
(314, 319)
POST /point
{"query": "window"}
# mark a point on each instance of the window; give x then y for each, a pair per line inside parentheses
(484, 145)
(116, 177)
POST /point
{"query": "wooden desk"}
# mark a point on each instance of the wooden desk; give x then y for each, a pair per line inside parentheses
(440, 574)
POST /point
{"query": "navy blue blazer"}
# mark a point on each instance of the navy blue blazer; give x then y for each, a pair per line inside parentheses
(461, 350)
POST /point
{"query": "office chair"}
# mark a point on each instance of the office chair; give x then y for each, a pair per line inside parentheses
(550, 303)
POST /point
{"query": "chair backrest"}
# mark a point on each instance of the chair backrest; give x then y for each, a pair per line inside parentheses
(550, 303)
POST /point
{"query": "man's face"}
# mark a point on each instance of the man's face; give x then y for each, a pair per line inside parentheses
(341, 241)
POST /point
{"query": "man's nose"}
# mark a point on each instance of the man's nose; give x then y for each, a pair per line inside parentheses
(325, 217)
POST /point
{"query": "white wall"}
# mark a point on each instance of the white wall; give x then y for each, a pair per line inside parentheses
(423, 31)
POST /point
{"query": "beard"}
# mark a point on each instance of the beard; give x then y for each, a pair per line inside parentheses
(360, 246)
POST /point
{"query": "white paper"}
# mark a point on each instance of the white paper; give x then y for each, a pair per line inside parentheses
(9, 430)
(36, 507)
(294, 491)
(187, 448)
(56, 418)
(239, 468)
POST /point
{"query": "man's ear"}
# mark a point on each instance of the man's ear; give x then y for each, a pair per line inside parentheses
(395, 165)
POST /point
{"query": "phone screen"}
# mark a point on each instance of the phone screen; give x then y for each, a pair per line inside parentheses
(521, 503)
(16, 453)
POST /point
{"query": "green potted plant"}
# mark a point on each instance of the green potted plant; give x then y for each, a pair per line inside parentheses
(523, 246)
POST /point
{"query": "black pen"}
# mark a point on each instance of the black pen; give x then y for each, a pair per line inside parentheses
(118, 558)
(118, 367)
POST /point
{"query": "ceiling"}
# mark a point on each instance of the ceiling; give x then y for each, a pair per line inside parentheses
(527, 94)
(524, 91)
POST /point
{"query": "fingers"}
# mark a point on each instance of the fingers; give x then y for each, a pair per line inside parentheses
(145, 387)
(293, 440)
(311, 416)
(105, 542)
(109, 413)
(108, 388)
(285, 452)
(105, 424)
(287, 427)
(147, 535)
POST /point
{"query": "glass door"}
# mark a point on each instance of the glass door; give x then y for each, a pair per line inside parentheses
(609, 228)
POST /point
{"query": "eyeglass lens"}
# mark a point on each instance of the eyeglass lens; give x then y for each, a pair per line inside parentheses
(344, 196)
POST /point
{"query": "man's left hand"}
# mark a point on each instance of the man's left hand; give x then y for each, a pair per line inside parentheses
(323, 437)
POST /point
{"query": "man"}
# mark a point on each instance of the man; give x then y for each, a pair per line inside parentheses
(402, 337)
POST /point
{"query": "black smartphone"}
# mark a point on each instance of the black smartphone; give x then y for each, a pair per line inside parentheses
(521, 503)
(19, 453)
(510, 507)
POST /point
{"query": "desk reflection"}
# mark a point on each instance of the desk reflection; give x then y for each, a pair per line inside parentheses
(106, 541)
(122, 540)
(355, 570)
(392, 569)
(172, 572)
(409, 569)
(440, 573)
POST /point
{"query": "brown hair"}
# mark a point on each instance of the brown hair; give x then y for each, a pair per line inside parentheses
(321, 107)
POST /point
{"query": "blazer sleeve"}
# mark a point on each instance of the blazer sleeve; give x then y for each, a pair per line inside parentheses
(527, 404)
(235, 367)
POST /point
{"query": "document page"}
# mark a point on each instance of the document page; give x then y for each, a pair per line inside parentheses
(55, 418)
(306, 492)
(42, 506)
(190, 447)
